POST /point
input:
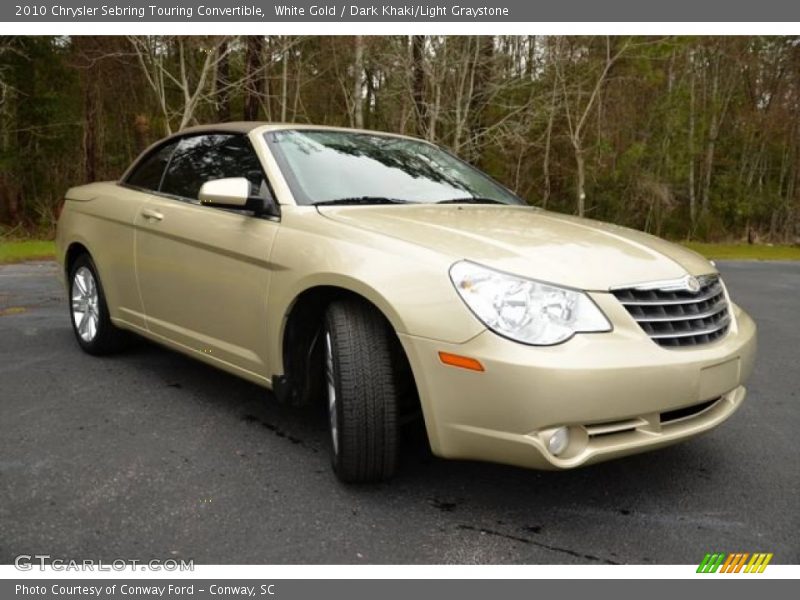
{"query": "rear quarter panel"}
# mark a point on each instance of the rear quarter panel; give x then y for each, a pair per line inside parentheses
(100, 216)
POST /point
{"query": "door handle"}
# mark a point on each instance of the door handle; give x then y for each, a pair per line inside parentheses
(149, 213)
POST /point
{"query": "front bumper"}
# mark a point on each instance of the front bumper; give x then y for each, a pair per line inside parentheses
(617, 392)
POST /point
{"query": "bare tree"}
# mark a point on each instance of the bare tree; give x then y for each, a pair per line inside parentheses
(165, 70)
(722, 85)
(578, 107)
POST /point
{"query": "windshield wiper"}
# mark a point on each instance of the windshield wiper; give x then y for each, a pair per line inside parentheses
(470, 200)
(360, 200)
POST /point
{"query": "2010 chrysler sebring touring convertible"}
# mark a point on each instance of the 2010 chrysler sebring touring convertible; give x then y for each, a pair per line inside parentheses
(384, 277)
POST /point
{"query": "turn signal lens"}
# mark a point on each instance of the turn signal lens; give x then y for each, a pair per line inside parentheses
(456, 360)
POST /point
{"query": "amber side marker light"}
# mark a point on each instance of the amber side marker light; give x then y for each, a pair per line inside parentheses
(456, 360)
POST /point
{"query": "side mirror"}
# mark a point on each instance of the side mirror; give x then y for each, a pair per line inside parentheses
(234, 193)
(231, 192)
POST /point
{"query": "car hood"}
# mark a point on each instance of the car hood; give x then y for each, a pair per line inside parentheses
(562, 249)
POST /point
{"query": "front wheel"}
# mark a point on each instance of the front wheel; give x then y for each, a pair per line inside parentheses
(362, 392)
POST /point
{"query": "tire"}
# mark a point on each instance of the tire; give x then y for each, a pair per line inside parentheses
(361, 392)
(88, 310)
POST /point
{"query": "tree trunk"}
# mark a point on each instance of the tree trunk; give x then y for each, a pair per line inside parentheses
(434, 116)
(479, 100)
(284, 81)
(254, 77)
(720, 99)
(358, 83)
(222, 82)
(690, 145)
(461, 92)
(708, 166)
(267, 101)
(90, 126)
(24, 79)
(418, 82)
(581, 180)
(531, 57)
(437, 76)
(548, 144)
(297, 85)
(371, 100)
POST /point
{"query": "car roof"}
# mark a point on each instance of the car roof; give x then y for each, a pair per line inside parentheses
(233, 127)
(246, 127)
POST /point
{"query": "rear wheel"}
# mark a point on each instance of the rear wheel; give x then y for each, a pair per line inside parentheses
(362, 392)
(91, 323)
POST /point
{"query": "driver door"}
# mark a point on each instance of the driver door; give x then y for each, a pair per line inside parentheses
(204, 273)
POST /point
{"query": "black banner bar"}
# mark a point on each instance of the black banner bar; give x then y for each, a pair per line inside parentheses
(399, 11)
(336, 589)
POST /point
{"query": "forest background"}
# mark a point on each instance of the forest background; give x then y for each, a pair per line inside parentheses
(690, 138)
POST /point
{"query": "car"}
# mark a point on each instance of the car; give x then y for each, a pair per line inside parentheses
(390, 282)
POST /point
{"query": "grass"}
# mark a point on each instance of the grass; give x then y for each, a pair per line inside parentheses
(745, 251)
(21, 250)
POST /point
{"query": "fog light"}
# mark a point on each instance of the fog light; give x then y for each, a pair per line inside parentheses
(559, 441)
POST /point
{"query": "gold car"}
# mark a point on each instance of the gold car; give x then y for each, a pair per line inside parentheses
(385, 277)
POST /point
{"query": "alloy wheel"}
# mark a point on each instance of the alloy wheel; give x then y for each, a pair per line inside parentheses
(85, 301)
(333, 417)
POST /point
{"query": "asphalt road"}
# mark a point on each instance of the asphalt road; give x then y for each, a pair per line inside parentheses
(152, 455)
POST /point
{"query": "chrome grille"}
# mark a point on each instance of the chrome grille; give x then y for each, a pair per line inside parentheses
(675, 317)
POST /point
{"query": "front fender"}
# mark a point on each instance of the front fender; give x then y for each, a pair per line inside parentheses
(409, 284)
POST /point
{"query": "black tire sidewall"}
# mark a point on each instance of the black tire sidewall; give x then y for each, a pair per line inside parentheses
(362, 457)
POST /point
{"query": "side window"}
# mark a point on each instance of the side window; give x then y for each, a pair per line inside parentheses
(205, 157)
(150, 169)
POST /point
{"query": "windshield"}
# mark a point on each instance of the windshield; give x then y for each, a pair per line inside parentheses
(345, 167)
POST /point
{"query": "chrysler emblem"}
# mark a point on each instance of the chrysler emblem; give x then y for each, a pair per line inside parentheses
(692, 284)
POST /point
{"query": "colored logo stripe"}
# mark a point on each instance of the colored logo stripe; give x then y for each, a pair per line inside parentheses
(711, 563)
(734, 562)
(758, 563)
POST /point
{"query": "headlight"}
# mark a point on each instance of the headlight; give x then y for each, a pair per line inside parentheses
(525, 310)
